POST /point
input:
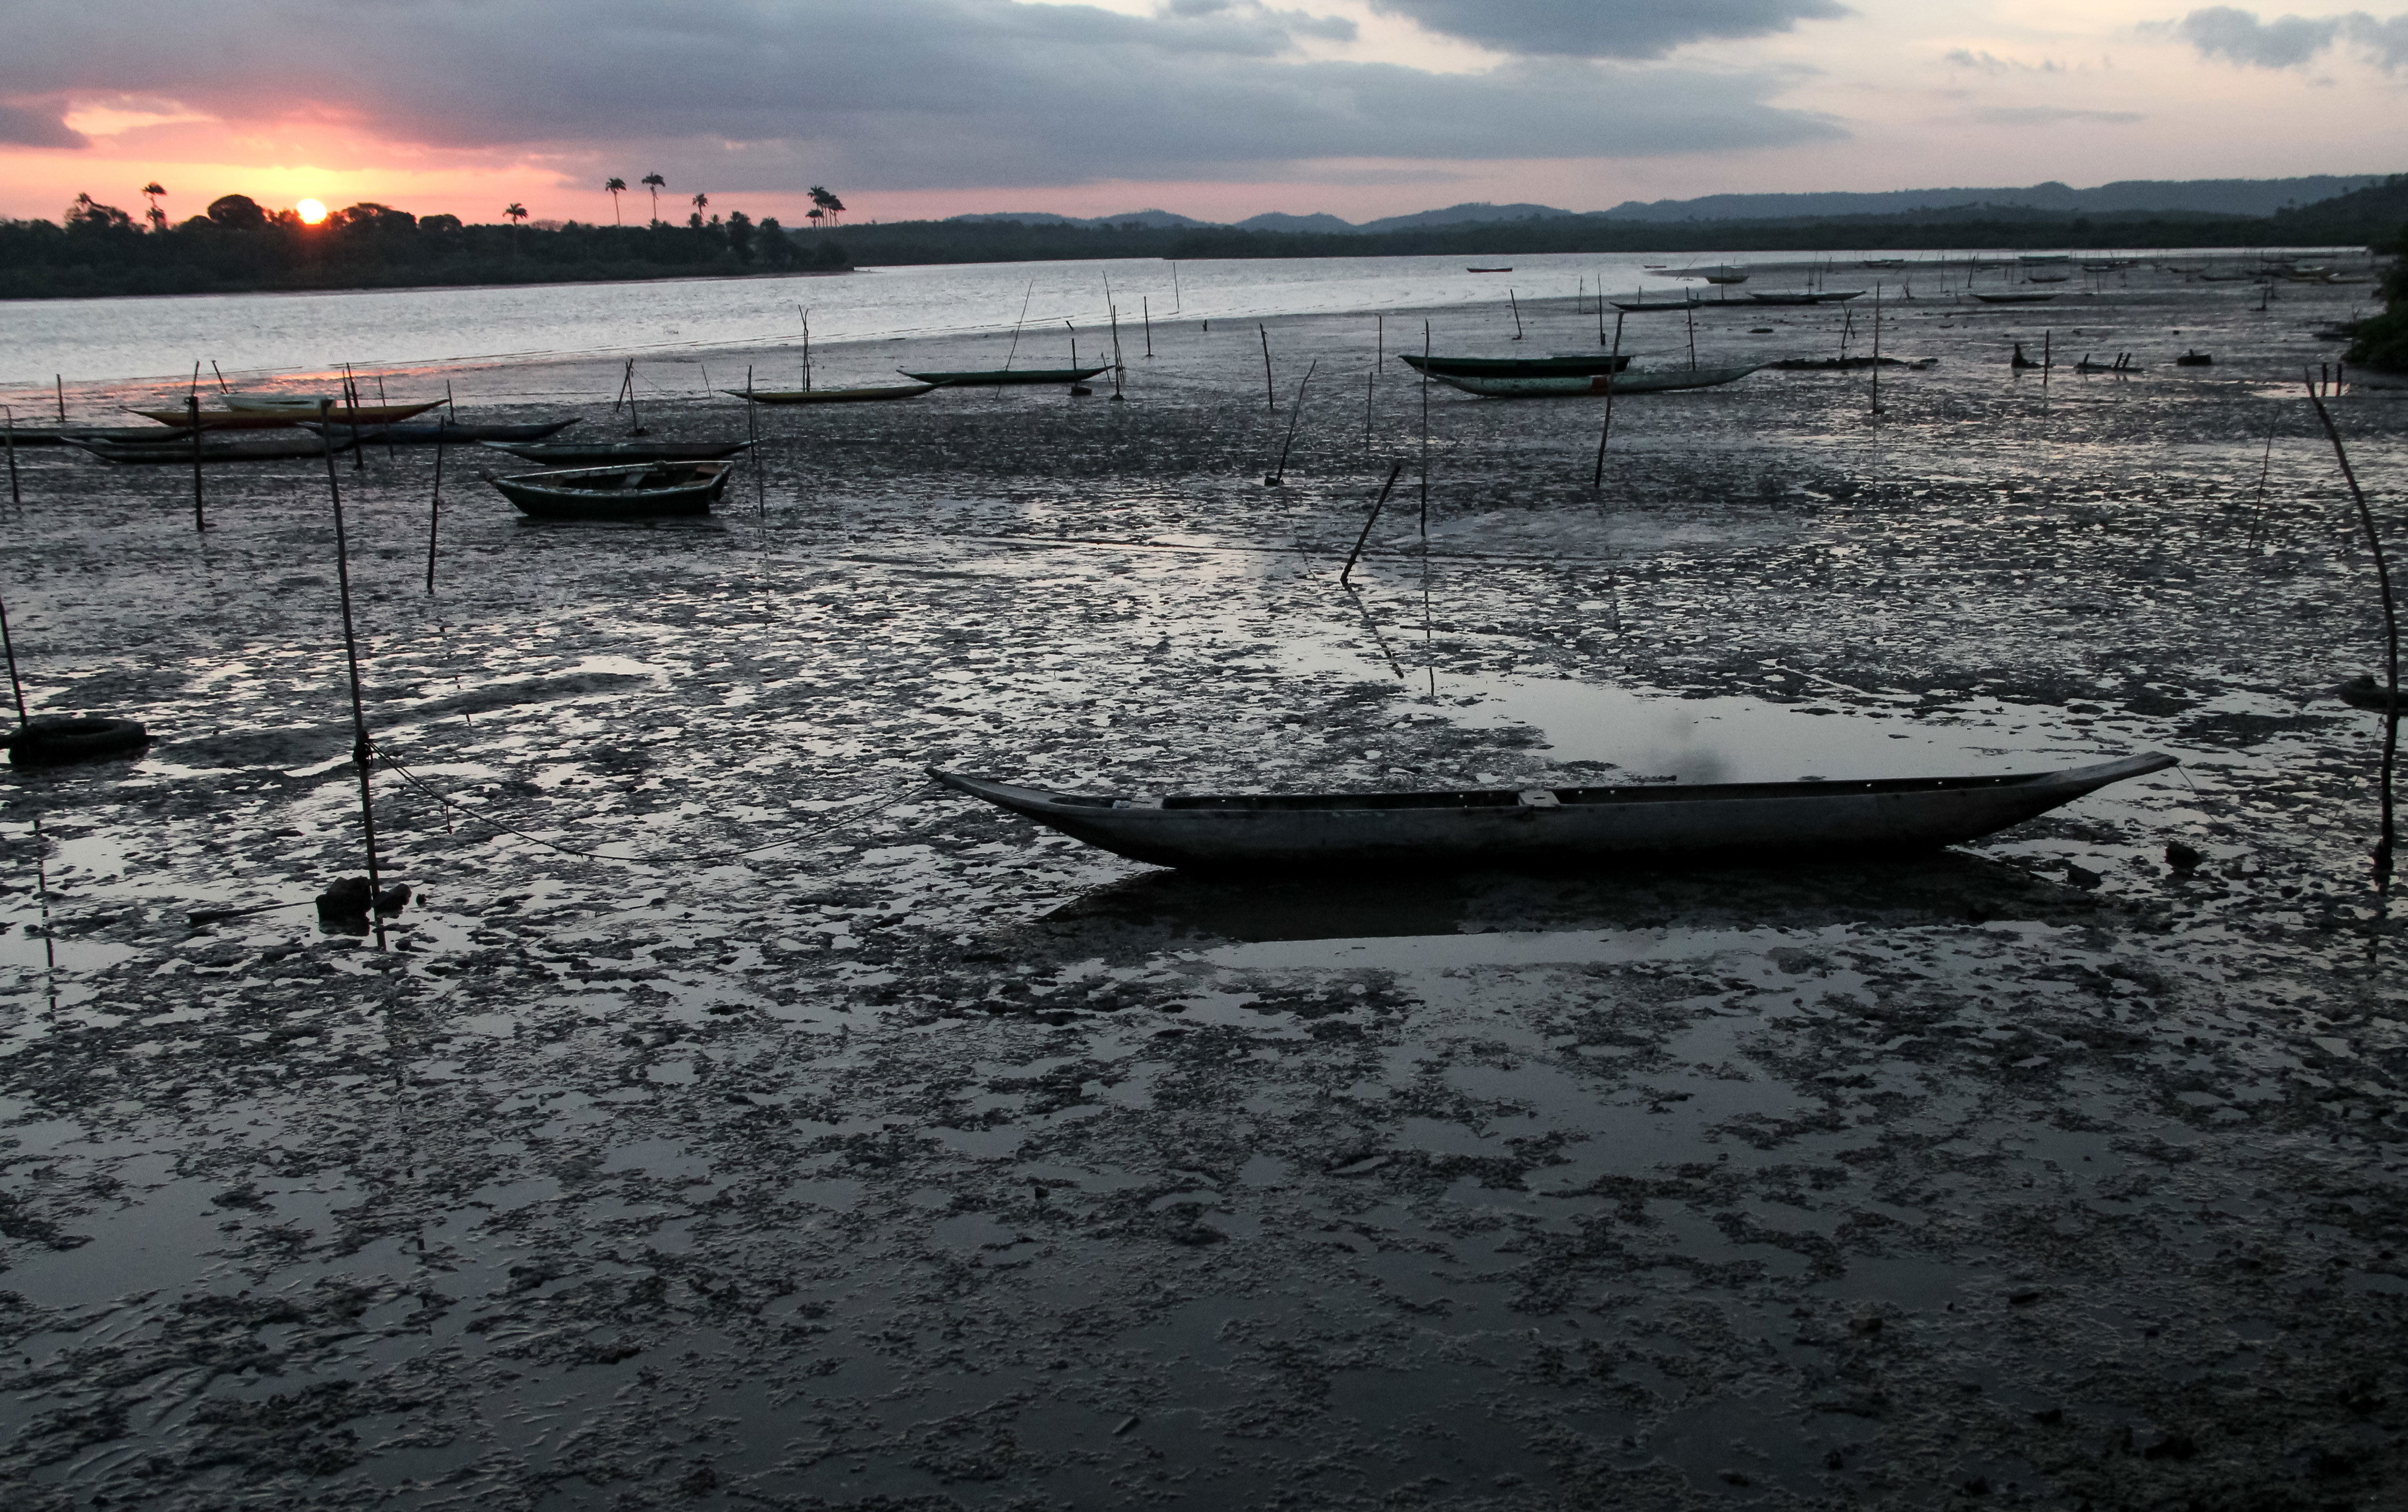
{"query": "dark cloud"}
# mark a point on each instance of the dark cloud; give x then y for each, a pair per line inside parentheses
(37, 125)
(2290, 41)
(1605, 28)
(900, 95)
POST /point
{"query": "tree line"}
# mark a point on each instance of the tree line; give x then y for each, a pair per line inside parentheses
(237, 244)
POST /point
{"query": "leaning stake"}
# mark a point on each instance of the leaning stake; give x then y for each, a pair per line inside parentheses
(360, 752)
(1613, 366)
(2391, 639)
(434, 504)
(1396, 470)
(1269, 393)
(192, 413)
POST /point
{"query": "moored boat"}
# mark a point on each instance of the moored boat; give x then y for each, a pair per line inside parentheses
(604, 453)
(1557, 366)
(449, 432)
(1639, 304)
(182, 451)
(991, 378)
(625, 493)
(1552, 826)
(264, 417)
(1662, 380)
(2015, 299)
(1809, 296)
(831, 397)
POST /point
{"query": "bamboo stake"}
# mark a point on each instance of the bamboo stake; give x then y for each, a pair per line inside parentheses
(15, 497)
(1295, 416)
(1145, 311)
(435, 505)
(1877, 315)
(753, 444)
(1516, 306)
(1693, 340)
(1119, 370)
(16, 689)
(1269, 393)
(2047, 358)
(360, 750)
(60, 379)
(387, 424)
(2391, 639)
(222, 383)
(192, 413)
(1396, 470)
(1429, 654)
(1370, 379)
(1597, 480)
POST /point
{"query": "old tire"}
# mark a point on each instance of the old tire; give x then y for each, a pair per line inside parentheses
(59, 739)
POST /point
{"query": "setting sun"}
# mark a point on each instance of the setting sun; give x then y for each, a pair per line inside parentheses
(311, 211)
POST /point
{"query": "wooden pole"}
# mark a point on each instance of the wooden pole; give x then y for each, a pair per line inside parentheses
(60, 379)
(1370, 379)
(361, 752)
(1516, 306)
(1120, 370)
(1596, 480)
(1270, 395)
(1378, 343)
(2047, 357)
(1396, 470)
(1294, 415)
(1877, 314)
(222, 383)
(753, 444)
(14, 496)
(807, 348)
(352, 389)
(1177, 304)
(434, 504)
(1145, 311)
(16, 689)
(389, 455)
(192, 413)
(2391, 639)
(1693, 341)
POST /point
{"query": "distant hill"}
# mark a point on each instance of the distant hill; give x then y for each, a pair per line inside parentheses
(1276, 221)
(2209, 196)
(1153, 220)
(1463, 215)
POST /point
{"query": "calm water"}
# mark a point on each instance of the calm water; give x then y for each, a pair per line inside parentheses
(100, 341)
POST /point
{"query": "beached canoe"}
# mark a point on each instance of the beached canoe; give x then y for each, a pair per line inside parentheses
(636, 493)
(449, 432)
(831, 397)
(268, 418)
(180, 452)
(1809, 296)
(51, 435)
(1557, 365)
(606, 454)
(2014, 299)
(993, 377)
(1639, 305)
(1663, 380)
(1487, 270)
(1552, 826)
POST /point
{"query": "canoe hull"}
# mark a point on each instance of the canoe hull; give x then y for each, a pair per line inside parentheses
(1517, 366)
(1582, 827)
(832, 396)
(612, 453)
(995, 377)
(1666, 381)
(585, 493)
(179, 454)
(450, 433)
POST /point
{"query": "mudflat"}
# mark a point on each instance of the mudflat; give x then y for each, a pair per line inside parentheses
(749, 1122)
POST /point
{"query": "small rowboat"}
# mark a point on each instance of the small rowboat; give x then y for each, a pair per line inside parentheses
(1552, 826)
(602, 453)
(180, 452)
(1487, 270)
(616, 493)
(1809, 296)
(449, 432)
(1641, 306)
(993, 377)
(1557, 365)
(2014, 299)
(830, 396)
(264, 417)
(1663, 380)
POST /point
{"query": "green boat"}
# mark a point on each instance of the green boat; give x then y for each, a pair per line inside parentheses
(993, 378)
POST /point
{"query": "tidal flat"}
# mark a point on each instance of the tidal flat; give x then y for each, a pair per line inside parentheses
(749, 1124)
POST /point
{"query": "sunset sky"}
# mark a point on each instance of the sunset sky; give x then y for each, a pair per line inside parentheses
(1217, 108)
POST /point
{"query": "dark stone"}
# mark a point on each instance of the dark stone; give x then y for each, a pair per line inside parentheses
(2172, 1446)
(2182, 858)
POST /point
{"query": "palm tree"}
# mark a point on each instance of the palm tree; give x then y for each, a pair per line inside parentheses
(655, 183)
(516, 213)
(701, 203)
(158, 218)
(614, 188)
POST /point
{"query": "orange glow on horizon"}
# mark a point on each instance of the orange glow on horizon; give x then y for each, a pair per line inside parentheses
(311, 211)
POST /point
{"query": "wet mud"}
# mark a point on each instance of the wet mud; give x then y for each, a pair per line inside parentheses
(734, 1120)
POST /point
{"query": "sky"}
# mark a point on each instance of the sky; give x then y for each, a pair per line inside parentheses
(1214, 109)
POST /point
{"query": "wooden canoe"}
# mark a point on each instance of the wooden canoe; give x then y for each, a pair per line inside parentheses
(1555, 826)
(262, 416)
(179, 452)
(990, 377)
(1811, 296)
(605, 453)
(449, 432)
(626, 493)
(1647, 306)
(831, 397)
(2014, 299)
(1663, 380)
(1557, 365)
